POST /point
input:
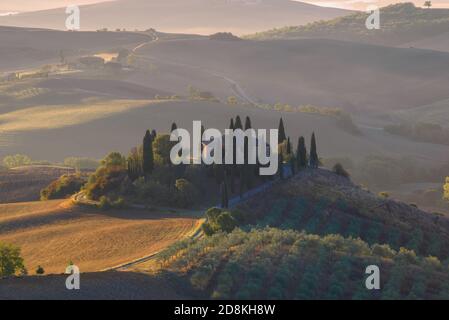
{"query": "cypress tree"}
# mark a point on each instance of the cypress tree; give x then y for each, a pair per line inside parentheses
(314, 160)
(173, 127)
(281, 166)
(231, 126)
(238, 123)
(282, 137)
(224, 195)
(289, 146)
(242, 181)
(293, 165)
(248, 123)
(153, 134)
(301, 153)
(147, 154)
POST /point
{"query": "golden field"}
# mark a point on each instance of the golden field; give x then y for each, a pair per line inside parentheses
(53, 233)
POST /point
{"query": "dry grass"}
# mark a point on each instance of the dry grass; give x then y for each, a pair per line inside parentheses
(53, 233)
(58, 116)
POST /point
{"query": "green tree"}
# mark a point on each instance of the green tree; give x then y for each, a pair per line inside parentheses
(238, 123)
(224, 194)
(314, 160)
(186, 193)
(161, 149)
(147, 154)
(17, 160)
(446, 189)
(114, 159)
(10, 260)
(231, 125)
(301, 153)
(248, 123)
(135, 167)
(428, 4)
(282, 136)
(173, 127)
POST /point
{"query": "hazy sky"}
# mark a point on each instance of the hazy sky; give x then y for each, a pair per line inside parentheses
(31, 5)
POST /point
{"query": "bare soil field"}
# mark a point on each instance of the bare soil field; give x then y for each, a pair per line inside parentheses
(53, 233)
(25, 183)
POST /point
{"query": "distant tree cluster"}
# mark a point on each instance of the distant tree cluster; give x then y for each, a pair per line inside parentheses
(17, 160)
(11, 262)
(226, 36)
(446, 190)
(64, 187)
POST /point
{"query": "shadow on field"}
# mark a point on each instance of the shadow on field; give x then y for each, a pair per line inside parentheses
(97, 286)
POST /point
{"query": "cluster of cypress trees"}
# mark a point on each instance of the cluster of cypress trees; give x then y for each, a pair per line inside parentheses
(141, 160)
(301, 159)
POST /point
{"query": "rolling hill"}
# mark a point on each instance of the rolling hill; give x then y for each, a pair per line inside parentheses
(89, 130)
(22, 48)
(401, 25)
(331, 73)
(186, 16)
(52, 233)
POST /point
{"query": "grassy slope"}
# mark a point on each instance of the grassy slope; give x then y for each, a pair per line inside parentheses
(275, 264)
(323, 203)
(53, 233)
(400, 24)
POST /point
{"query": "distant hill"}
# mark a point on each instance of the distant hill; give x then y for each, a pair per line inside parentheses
(194, 16)
(400, 24)
(323, 72)
(24, 47)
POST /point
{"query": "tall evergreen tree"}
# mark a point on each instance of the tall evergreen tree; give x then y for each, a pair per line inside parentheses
(301, 153)
(247, 123)
(242, 181)
(224, 194)
(173, 127)
(281, 166)
(153, 134)
(147, 154)
(231, 125)
(238, 123)
(314, 160)
(289, 146)
(282, 136)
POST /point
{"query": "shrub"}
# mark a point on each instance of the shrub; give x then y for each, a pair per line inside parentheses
(40, 270)
(338, 169)
(63, 187)
(105, 203)
(110, 179)
(384, 194)
(219, 220)
(153, 192)
(10, 260)
(186, 193)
